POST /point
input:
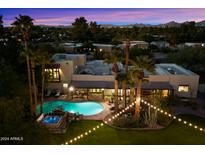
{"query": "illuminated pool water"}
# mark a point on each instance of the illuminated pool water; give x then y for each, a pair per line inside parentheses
(85, 108)
(51, 120)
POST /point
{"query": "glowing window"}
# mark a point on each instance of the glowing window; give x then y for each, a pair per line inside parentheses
(52, 74)
(183, 88)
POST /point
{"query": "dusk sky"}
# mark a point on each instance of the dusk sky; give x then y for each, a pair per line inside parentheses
(105, 16)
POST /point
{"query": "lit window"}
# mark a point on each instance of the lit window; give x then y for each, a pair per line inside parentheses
(183, 88)
(165, 93)
(52, 74)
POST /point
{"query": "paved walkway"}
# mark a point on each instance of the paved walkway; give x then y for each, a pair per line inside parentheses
(200, 111)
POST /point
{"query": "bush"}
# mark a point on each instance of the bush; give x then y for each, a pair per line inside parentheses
(163, 120)
(127, 122)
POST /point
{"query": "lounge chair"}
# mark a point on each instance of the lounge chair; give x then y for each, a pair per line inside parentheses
(48, 93)
(58, 92)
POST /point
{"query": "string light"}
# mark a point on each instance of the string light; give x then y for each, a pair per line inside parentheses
(174, 117)
(98, 126)
(128, 107)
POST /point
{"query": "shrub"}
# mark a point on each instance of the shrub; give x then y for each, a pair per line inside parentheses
(163, 120)
(127, 122)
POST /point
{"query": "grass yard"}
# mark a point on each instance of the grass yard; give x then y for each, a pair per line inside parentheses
(176, 133)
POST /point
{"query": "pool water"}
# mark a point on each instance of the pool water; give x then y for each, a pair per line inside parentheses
(51, 120)
(85, 108)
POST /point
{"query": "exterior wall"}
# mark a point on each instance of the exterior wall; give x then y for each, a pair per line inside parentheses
(66, 71)
(104, 48)
(202, 88)
(176, 80)
(79, 77)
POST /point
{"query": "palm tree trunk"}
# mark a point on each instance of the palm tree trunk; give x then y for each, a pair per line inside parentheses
(132, 89)
(42, 87)
(116, 94)
(126, 67)
(138, 96)
(29, 79)
(34, 84)
(124, 91)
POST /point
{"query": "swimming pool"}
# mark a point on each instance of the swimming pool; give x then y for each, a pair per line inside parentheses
(86, 108)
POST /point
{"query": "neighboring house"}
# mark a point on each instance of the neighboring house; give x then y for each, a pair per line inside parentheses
(160, 44)
(103, 47)
(70, 47)
(190, 44)
(139, 44)
(95, 78)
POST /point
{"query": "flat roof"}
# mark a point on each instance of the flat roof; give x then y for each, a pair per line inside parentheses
(64, 56)
(96, 67)
(171, 69)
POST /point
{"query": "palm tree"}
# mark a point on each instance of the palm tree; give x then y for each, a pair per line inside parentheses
(24, 24)
(122, 78)
(43, 58)
(113, 58)
(127, 48)
(139, 65)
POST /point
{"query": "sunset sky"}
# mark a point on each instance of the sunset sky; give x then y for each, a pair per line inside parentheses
(105, 16)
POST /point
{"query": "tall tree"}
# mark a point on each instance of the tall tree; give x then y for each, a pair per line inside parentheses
(24, 24)
(43, 58)
(1, 25)
(139, 65)
(79, 31)
(113, 58)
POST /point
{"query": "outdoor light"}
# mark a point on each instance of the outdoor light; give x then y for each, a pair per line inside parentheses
(102, 89)
(65, 85)
(71, 88)
(138, 99)
(117, 114)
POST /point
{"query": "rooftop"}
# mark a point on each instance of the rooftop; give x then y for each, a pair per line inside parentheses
(96, 67)
(63, 56)
(171, 69)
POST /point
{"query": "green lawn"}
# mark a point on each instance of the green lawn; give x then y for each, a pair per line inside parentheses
(176, 133)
